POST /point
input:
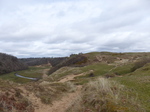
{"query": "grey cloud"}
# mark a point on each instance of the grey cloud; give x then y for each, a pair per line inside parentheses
(61, 27)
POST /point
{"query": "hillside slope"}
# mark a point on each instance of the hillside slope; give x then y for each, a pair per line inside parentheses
(10, 63)
(74, 60)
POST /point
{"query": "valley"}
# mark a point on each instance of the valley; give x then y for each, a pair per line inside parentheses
(117, 84)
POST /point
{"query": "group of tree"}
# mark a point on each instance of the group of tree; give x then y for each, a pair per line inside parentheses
(10, 63)
(41, 61)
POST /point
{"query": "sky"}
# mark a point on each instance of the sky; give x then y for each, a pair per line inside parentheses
(56, 28)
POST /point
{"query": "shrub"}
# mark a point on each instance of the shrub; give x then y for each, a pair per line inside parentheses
(10, 102)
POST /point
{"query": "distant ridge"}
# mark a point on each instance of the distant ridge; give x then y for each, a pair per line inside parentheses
(40, 61)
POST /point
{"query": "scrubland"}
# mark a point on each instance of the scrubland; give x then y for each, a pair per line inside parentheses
(119, 83)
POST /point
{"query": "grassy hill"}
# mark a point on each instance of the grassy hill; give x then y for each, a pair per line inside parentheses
(117, 67)
(119, 82)
(139, 82)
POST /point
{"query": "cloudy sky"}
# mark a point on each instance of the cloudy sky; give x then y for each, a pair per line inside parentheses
(46, 28)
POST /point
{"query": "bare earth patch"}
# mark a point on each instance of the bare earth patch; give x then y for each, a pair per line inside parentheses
(70, 77)
(58, 105)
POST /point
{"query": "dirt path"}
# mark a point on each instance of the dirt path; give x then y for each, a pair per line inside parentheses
(64, 103)
(58, 105)
(45, 71)
(61, 105)
(70, 77)
(37, 104)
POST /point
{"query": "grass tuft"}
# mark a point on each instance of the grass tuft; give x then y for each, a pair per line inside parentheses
(103, 95)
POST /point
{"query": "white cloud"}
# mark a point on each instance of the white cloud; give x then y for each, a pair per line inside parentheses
(58, 28)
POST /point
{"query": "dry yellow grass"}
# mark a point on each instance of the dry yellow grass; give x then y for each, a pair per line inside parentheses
(104, 95)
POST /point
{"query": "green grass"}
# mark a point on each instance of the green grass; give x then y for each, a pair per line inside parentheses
(64, 71)
(121, 70)
(98, 68)
(139, 82)
(35, 72)
(92, 55)
(101, 69)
